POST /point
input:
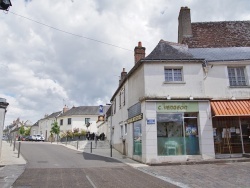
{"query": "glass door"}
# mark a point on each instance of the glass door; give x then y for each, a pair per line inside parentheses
(191, 134)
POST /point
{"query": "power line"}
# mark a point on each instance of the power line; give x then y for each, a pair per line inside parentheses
(80, 36)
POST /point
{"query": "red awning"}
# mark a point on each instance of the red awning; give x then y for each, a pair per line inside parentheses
(231, 108)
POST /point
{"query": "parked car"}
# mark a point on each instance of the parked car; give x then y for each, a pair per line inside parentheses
(4, 137)
(28, 138)
(38, 137)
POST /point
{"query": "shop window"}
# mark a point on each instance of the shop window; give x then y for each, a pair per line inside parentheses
(173, 75)
(137, 149)
(177, 134)
(237, 76)
(231, 135)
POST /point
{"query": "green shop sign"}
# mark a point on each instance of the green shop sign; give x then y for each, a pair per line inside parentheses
(177, 107)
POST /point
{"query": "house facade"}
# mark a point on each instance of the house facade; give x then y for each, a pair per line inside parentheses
(45, 124)
(82, 118)
(171, 105)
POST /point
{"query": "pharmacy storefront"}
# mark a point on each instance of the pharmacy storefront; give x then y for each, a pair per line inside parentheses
(177, 128)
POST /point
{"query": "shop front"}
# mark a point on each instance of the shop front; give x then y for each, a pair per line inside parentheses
(177, 128)
(231, 127)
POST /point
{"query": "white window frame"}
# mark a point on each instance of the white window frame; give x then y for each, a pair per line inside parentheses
(173, 80)
(236, 76)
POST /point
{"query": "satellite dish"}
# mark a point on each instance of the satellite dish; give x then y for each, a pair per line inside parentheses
(5, 4)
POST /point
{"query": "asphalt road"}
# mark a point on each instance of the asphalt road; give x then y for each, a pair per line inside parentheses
(50, 165)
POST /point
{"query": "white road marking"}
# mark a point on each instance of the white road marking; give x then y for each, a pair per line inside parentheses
(90, 181)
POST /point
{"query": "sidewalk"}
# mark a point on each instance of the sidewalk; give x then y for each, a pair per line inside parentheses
(11, 167)
(10, 157)
(105, 152)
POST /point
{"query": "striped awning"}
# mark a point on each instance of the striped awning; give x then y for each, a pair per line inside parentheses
(231, 108)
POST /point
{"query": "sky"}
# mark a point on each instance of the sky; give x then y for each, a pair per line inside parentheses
(72, 52)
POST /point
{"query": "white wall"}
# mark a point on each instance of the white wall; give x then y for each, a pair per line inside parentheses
(217, 81)
(192, 80)
(78, 122)
(136, 86)
(206, 139)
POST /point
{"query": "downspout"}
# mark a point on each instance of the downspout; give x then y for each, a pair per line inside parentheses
(205, 68)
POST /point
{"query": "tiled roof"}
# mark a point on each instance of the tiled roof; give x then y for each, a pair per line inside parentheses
(172, 51)
(219, 34)
(221, 54)
(84, 110)
(169, 50)
(53, 115)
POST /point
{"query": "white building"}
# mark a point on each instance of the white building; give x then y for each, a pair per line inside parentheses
(45, 124)
(82, 118)
(162, 111)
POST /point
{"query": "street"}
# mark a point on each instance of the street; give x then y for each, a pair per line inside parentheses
(51, 165)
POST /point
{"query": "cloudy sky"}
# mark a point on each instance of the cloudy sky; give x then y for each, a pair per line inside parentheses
(57, 52)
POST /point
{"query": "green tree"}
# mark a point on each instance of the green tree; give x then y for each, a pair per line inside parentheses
(22, 130)
(55, 129)
(27, 131)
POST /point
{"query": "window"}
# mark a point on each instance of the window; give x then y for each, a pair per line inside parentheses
(114, 106)
(69, 121)
(87, 120)
(121, 131)
(177, 134)
(61, 121)
(173, 75)
(237, 76)
(120, 100)
(126, 129)
(124, 97)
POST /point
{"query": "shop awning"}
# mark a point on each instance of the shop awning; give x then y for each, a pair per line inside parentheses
(231, 108)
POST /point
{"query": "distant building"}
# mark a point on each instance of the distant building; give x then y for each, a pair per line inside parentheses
(82, 118)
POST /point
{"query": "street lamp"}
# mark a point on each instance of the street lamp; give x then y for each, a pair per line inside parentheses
(5, 4)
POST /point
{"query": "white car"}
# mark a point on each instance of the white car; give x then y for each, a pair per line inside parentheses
(38, 137)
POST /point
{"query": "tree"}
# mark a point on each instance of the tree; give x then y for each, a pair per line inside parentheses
(22, 130)
(55, 129)
(27, 131)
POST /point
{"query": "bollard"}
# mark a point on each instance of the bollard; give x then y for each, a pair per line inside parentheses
(77, 145)
(110, 150)
(14, 145)
(90, 147)
(19, 148)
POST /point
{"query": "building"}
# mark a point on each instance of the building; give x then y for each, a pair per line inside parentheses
(3, 110)
(171, 105)
(225, 49)
(45, 124)
(81, 118)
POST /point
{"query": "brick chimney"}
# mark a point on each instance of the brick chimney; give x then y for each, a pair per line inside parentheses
(65, 109)
(184, 28)
(139, 52)
(123, 75)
